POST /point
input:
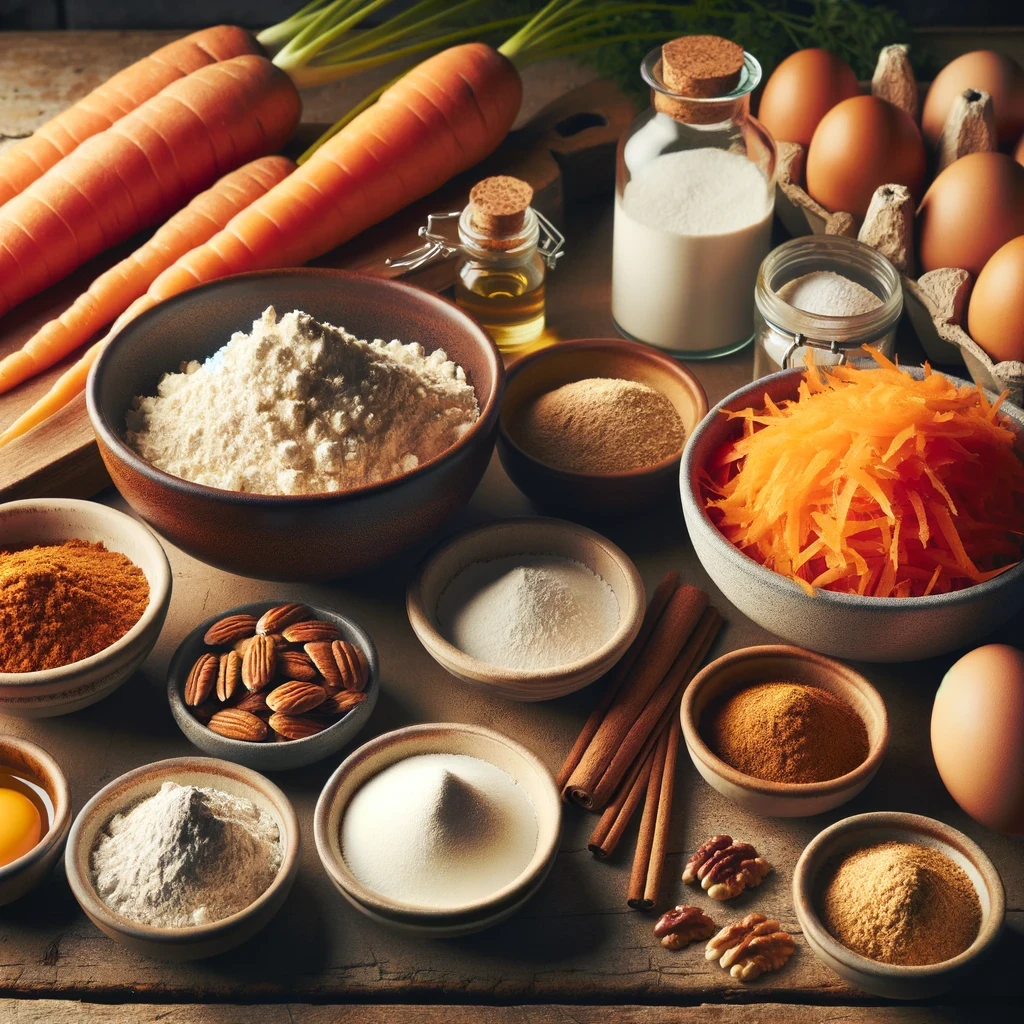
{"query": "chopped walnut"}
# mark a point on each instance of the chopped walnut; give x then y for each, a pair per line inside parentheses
(751, 947)
(724, 868)
(682, 925)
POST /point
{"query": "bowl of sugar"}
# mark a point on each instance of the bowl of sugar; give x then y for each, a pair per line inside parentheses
(439, 830)
(529, 608)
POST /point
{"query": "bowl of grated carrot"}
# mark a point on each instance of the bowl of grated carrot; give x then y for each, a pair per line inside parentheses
(868, 511)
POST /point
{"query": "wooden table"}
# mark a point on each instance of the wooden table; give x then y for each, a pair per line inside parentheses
(576, 952)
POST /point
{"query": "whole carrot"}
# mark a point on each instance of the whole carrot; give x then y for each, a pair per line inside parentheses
(114, 291)
(22, 164)
(142, 169)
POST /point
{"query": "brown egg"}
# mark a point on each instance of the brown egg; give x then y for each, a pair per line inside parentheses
(1018, 153)
(802, 90)
(972, 208)
(860, 144)
(1000, 76)
(978, 736)
(995, 316)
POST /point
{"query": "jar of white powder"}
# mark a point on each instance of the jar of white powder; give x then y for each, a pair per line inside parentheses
(827, 293)
(695, 193)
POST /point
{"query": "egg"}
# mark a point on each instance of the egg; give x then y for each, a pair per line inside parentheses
(21, 825)
(1018, 153)
(801, 91)
(978, 736)
(860, 144)
(995, 315)
(1000, 76)
(971, 209)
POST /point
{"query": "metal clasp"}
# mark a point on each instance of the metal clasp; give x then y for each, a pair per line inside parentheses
(552, 241)
(837, 348)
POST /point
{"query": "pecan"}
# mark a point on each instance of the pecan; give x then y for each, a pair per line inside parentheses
(201, 680)
(234, 724)
(258, 663)
(724, 868)
(352, 664)
(339, 703)
(275, 619)
(294, 727)
(310, 630)
(296, 665)
(682, 925)
(296, 697)
(751, 947)
(319, 652)
(204, 712)
(229, 676)
(254, 703)
(230, 630)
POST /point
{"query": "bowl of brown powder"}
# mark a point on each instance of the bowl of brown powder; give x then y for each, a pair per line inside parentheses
(783, 731)
(900, 905)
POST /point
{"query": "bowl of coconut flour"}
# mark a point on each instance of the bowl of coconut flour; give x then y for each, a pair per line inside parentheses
(184, 858)
(528, 608)
(439, 830)
(298, 425)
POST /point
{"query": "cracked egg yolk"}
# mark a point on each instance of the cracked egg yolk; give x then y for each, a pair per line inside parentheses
(21, 826)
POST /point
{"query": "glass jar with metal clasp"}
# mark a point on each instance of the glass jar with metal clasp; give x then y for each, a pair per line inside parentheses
(784, 332)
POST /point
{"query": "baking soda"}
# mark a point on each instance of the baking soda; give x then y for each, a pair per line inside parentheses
(826, 293)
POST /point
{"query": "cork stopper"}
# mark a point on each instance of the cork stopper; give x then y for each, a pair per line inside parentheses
(499, 209)
(699, 67)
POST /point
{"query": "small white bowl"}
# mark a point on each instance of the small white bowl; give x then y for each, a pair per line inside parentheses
(889, 980)
(59, 691)
(201, 940)
(528, 535)
(392, 747)
(25, 873)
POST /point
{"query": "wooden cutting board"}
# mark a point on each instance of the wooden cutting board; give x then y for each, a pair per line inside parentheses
(566, 152)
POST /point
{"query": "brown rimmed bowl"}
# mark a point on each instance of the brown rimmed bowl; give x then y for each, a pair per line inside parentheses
(202, 940)
(594, 494)
(889, 980)
(300, 537)
(25, 873)
(774, 663)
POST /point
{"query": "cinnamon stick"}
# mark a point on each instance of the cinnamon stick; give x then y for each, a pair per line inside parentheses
(663, 824)
(668, 638)
(664, 590)
(618, 814)
(645, 840)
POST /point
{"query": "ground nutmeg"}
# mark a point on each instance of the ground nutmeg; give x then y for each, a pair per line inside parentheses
(61, 603)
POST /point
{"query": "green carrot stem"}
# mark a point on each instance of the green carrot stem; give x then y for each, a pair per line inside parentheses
(274, 36)
(333, 23)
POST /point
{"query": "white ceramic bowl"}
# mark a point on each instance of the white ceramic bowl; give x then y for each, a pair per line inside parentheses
(841, 625)
(528, 535)
(202, 940)
(58, 691)
(372, 758)
(25, 873)
(888, 980)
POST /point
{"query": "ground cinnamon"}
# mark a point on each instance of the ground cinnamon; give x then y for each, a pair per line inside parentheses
(65, 602)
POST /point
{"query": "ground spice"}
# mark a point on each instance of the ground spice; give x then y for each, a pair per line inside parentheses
(901, 903)
(786, 732)
(601, 425)
(65, 602)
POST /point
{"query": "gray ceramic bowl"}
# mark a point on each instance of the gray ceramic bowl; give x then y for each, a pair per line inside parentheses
(270, 757)
(888, 980)
(841, 625)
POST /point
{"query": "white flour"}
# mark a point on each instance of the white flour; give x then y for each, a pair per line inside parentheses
(827, 293)
(301, 407)
(439, 830)
(528, 611)
(186, 856)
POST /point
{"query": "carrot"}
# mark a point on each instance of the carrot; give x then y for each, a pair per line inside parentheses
(24, 163)
(142, 169)
(112, 292)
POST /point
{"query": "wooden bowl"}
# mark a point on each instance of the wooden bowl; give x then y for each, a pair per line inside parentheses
(775, 663)
(444, 738)
(271, 756)
(525, 536)
(593, 494)
(307, 537)
(888, 980)
(201, 940)
(58, 691)
(25, 873)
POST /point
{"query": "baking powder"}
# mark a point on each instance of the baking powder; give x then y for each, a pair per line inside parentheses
(826, 293)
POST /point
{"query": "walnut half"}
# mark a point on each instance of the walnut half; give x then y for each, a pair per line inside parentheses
(724, 868)
(751, 947)
(682, 925)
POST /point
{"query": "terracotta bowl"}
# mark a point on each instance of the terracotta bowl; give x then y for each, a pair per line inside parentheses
(271, 756)
(444, 738)
(593, 494)
(309, 537)
(202, 940)
(842, 625)
(887, 980)
(525, 536)
(58, 691)
(751, 665)
(25, 873)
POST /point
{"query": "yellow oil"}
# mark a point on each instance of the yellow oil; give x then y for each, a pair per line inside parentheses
(26, 813)
(508, 302)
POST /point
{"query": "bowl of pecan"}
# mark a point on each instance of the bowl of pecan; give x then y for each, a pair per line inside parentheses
(273, 686)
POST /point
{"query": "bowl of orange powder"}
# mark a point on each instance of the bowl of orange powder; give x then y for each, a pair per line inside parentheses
(84, 591)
